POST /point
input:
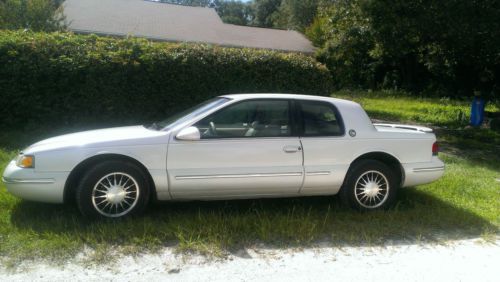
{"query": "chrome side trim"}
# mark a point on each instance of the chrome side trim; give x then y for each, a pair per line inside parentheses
(28, 181)
(185, 177)
(314, 173)
(426, 169)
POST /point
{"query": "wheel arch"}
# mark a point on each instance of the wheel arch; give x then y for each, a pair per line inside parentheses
(78, 171)
(388, 159)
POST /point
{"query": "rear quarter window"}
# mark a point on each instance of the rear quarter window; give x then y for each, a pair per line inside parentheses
(320, 119)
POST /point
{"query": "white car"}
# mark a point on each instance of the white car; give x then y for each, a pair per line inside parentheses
(231, 147)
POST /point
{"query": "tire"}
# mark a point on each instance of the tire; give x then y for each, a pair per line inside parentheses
(369, 185)
(112, 189)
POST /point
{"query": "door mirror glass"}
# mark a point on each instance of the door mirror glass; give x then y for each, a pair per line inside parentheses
(189, 133)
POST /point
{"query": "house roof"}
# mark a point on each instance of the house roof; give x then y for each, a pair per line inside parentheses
(170, 22)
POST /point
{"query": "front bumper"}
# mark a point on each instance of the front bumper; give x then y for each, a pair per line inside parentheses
(28, 184)
(423, 173)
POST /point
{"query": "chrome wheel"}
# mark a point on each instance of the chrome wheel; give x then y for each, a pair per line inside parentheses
(115, 194)
(371, 189)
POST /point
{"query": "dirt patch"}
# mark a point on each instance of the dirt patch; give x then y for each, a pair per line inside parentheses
(466, 260)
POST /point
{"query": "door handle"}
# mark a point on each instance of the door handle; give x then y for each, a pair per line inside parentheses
(291, 149)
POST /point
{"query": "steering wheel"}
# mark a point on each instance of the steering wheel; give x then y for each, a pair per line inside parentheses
(212, 130)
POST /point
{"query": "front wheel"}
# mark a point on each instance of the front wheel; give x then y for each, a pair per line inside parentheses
(112, 189)
(369, 185)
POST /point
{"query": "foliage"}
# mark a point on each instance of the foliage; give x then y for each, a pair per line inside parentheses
(36, 15)
(286, 14)
(296, 14)
(235, 12)
(455, 41)
(449, 46)
(316, 32)
(266, 12)
(346, 39)
(65, 79)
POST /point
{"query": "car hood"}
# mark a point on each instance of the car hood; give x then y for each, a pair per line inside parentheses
(118, 136)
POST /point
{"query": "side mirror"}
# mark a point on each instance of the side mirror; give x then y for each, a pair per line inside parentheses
(189, 134)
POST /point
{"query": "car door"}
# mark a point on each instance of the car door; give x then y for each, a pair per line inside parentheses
(322, 135)
(247, 149)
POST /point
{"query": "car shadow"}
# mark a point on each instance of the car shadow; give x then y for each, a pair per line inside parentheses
(275, 223)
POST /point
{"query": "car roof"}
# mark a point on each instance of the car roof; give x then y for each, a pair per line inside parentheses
(246, 96)
(352, 113)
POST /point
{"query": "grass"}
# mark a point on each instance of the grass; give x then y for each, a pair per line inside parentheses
(449, 118)
(465, 203)
(403, 107)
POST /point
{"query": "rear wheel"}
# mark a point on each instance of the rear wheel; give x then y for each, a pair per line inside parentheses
(369, 185)
(112, 189)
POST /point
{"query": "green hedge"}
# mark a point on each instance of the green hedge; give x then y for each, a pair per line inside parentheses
(66, 80)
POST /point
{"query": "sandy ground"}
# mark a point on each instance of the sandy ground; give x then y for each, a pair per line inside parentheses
(466, 260)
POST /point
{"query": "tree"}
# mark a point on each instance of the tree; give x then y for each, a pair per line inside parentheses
(235, 12)
(296, 14)
(345, 40)
(37, 15)
(444, 45)
(455, 42)
(266, 12)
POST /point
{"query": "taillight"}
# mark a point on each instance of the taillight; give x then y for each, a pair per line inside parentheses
(435, 149)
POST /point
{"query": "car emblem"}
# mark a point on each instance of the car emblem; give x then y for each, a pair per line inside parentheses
(352, 132)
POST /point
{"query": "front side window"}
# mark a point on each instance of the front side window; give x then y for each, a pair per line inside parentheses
(253, 118)
(188, 114)
(320, 119)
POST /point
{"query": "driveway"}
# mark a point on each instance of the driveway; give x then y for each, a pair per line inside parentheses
(465, 260)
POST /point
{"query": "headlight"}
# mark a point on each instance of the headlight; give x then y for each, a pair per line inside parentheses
(25, 161)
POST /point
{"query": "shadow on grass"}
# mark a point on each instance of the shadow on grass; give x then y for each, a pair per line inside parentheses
(228, 225)
(478, 146)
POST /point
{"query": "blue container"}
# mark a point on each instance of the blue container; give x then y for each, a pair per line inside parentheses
(477, 111)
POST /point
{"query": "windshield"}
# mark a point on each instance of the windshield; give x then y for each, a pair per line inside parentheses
(188, 114)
